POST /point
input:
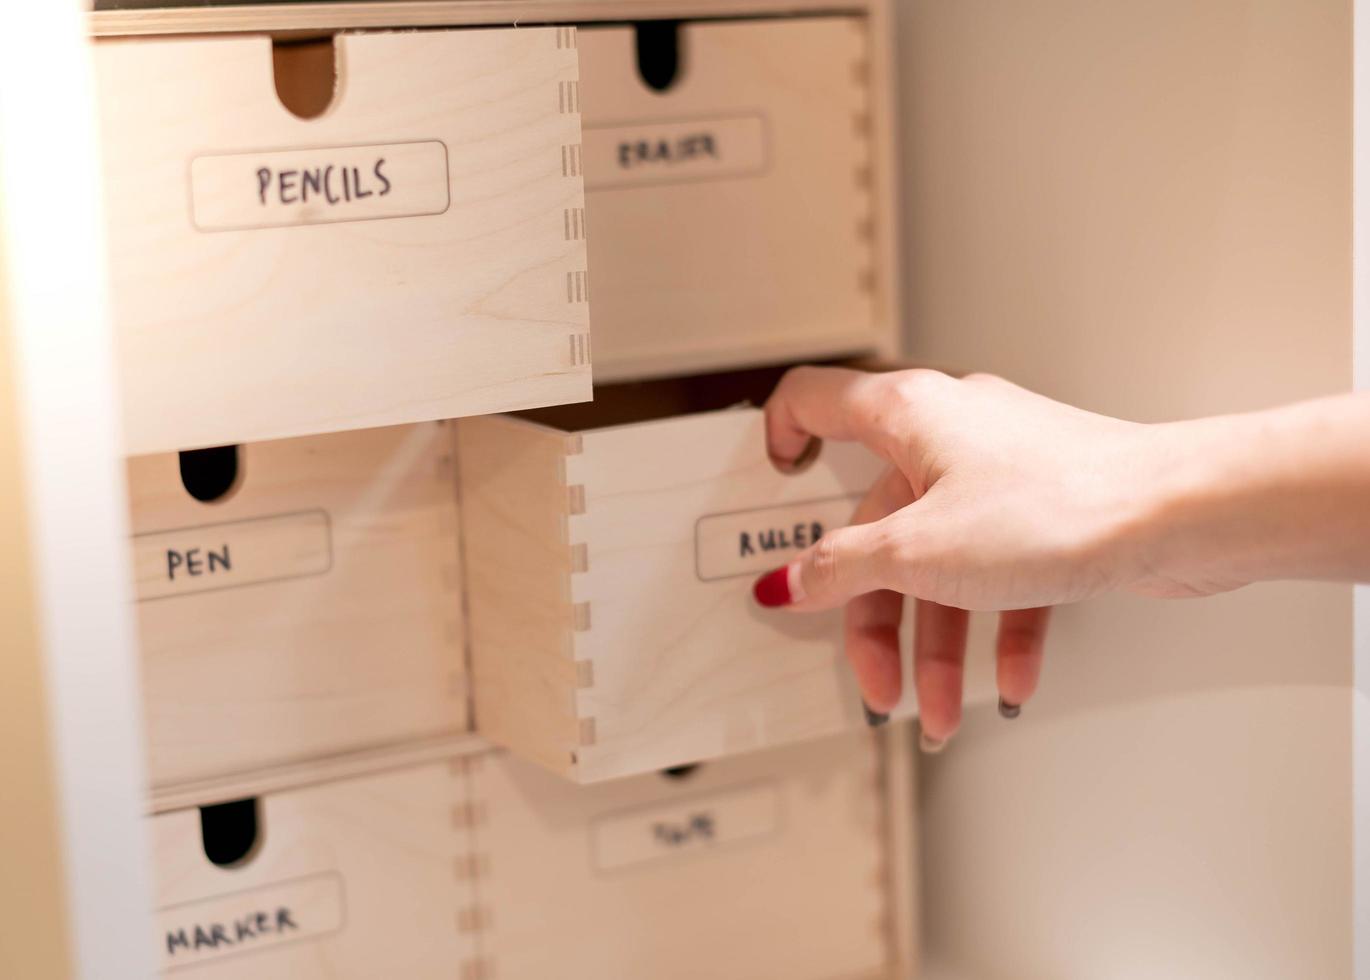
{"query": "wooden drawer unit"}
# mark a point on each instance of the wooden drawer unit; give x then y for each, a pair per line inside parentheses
(314, 608)
(773, 865)
(353, 879)
(415, 252)
(609, 572)
(738, 216)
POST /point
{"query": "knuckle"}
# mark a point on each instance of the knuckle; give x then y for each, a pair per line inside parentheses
(823, 561)
(917, 385)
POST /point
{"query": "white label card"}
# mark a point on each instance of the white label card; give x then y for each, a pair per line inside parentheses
(232, 554)
(749, 542)
(275, 188)
(685, 827)
(673, 152)
(247, 921)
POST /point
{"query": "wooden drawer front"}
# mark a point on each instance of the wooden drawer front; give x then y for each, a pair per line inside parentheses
(440, 273)
(768, 866)
(314, 610)
(613, 629)
(731, 213)
(355, 879)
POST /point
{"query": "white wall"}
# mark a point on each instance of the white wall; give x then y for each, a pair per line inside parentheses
(1145, 209)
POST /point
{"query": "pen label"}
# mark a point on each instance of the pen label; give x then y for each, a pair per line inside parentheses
(213, 928)
(323, 185)
(749, 542)
(687, 827)
(223, 556)
(674, 152)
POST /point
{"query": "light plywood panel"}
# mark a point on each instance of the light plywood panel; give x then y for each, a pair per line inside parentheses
(356, 879)
(332, 620)
(613, 630)
(117, 18)
(733, 215)
(405, 256)
(771, 865)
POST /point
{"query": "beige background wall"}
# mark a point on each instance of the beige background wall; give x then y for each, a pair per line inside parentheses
(1143, 208)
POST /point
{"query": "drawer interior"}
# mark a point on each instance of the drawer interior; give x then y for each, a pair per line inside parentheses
(650, 401)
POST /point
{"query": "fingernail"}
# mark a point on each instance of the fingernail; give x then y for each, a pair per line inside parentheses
(1009, 711)
(778, 588)
(773, 588)
(930, 745)
(874, 718)
(806, 456)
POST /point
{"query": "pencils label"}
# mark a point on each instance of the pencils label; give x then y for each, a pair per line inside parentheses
(276, 188)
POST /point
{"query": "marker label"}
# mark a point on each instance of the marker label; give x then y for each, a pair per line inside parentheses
(214, 928)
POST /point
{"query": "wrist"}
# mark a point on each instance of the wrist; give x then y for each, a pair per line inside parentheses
(1200, 498)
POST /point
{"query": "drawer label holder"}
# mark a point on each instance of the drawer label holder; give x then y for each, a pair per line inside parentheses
(211, 557)
(683, 151)
(213, 928)
(685, 827)
(323, 185)
(749, 542)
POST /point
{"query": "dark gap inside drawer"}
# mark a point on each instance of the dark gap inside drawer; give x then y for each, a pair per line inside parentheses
(647, 401)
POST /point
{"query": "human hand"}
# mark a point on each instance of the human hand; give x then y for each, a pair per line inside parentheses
(995, 499)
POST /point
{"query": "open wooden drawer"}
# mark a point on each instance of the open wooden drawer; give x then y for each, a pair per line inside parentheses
(414, 252)
(610, 551)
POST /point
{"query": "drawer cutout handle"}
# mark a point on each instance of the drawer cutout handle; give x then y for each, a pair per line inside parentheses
(681, 773)
(306, 74)
(230, 832)
(210, 475)
(658, 52)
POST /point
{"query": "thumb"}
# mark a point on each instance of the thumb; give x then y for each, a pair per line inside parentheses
(844, 563)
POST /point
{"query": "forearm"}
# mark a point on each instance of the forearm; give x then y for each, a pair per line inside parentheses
(1283, 493)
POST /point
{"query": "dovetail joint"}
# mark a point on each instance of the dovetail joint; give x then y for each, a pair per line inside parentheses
(478, 968)
(585, 674)
(587, 731)
(570, 160)
(575, 499)
(468, 814)
(473, 918)
(568, 97)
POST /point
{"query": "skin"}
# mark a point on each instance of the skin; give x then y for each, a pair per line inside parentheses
(1000, 499)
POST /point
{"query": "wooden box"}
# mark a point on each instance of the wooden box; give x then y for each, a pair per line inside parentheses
(354, 879)
(741, 216)
(313, 609)
(609, 566)
(772, 865)
(415, 252)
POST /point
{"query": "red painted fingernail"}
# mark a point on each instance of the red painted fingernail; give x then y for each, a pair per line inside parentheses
(773, 588)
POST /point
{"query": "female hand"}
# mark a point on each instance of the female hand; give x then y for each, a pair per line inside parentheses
(999, 499)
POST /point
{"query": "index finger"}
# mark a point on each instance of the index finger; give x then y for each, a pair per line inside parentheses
(822, 403)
